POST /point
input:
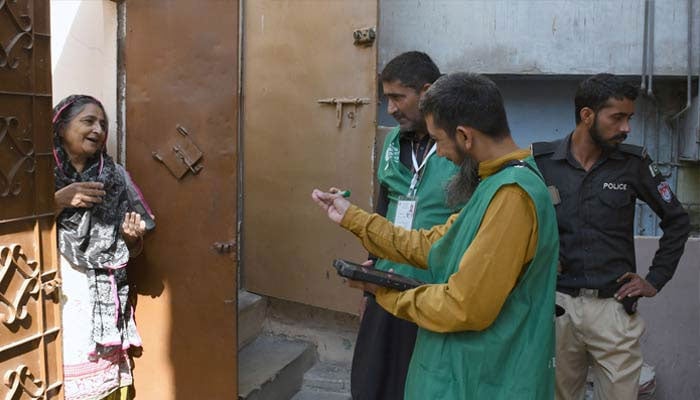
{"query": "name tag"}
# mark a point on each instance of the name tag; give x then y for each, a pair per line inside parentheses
(405, 212)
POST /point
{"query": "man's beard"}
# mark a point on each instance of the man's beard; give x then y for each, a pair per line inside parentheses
(606, 145)
(461, 187)
(414, 126)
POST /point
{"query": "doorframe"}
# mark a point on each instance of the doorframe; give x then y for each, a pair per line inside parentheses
(121, 83)
(241, 153)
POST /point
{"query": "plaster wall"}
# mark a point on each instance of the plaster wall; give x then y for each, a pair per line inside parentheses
(542, 109)
(84, 54)
(538, 37)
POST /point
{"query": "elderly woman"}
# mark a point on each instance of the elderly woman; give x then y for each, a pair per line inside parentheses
(97, 234)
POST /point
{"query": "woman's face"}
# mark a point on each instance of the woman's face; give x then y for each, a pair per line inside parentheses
(85, 133)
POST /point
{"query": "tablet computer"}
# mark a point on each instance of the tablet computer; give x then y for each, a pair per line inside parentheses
(357, 272)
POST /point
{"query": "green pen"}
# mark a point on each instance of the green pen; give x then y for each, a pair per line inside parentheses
(344, 193)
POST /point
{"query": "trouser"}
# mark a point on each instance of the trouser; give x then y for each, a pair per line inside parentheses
(600, 332)
(382, 355)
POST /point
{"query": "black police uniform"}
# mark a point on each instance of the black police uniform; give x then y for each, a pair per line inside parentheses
(595, 211)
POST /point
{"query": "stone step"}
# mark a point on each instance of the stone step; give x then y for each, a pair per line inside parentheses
(328, 377)
(251, 314)
(326, 381)
(308, 394)
(273, 367)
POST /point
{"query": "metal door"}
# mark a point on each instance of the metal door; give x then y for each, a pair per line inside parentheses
(309, 119)
(181, 148)
(30, 351)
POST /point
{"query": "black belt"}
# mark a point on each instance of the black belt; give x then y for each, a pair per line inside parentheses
(604, 293)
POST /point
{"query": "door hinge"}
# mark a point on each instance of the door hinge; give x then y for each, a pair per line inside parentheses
(364, 36)
(225, 247)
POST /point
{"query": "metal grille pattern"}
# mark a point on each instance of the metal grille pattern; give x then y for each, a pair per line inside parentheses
(30, 352)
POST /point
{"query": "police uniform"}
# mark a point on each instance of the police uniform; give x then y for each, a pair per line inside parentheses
(595, 213)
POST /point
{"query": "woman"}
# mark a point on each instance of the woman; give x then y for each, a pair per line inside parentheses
(96, 236)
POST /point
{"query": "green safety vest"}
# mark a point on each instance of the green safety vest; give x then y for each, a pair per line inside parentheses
(431, 209)
(512, 358)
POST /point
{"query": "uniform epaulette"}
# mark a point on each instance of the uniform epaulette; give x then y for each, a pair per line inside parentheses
(635, 150)
(540, 148)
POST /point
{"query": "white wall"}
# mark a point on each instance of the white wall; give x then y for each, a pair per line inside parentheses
(84, 54)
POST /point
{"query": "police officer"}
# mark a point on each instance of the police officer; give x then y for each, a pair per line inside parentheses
(594, 180)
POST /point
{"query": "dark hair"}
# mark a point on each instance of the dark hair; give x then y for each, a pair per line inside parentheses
(413, 69)
(466, 99)
(595, 92)
(68, 108)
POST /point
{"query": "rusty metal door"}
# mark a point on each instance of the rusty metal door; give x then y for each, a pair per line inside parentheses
(309, 119)
(30, 321)
(181, 148)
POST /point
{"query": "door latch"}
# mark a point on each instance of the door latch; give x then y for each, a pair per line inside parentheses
(224, 247)
(342, 101)
(183, 155)
(49, 287)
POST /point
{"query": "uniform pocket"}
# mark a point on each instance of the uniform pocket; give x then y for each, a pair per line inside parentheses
(615, 198)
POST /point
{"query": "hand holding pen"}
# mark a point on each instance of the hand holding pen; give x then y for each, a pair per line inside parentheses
(333, 202)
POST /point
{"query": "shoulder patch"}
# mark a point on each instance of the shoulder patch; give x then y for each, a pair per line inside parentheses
(541, 148)
(654, 170)
(665, 191)
(635, 150)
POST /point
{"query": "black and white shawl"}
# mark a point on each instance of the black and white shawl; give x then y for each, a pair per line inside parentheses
(91, 238)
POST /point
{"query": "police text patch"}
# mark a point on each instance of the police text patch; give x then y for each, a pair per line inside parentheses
(614, 186)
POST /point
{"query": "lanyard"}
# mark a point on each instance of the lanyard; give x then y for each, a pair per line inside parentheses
(417, 169)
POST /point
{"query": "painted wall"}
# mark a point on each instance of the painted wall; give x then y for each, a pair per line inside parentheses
(84, 54)
(538, 37)
(672, 318)
(542, 109)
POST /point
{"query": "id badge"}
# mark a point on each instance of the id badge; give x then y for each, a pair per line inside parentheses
(405, 212)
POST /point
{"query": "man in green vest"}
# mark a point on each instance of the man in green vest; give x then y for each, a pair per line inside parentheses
(486, 317)
(411, 177)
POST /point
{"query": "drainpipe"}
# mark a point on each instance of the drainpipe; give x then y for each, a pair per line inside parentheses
(650, 50)
(697, 126)
(645, 40)
(690, 56)
(675, 141)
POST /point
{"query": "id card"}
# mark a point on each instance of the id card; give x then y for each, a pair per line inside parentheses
(405, 212)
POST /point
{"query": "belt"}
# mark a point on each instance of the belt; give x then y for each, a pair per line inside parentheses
(604, 293)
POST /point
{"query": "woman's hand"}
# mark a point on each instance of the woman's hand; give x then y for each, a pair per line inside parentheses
(79, 194)
(133, 228)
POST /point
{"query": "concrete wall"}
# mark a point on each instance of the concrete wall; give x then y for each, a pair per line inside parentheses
(538, 37)
(84, 54)
(672, 339)
(536, 50)
(542, 109)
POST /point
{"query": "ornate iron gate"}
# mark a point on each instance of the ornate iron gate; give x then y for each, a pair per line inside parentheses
(30, 351)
